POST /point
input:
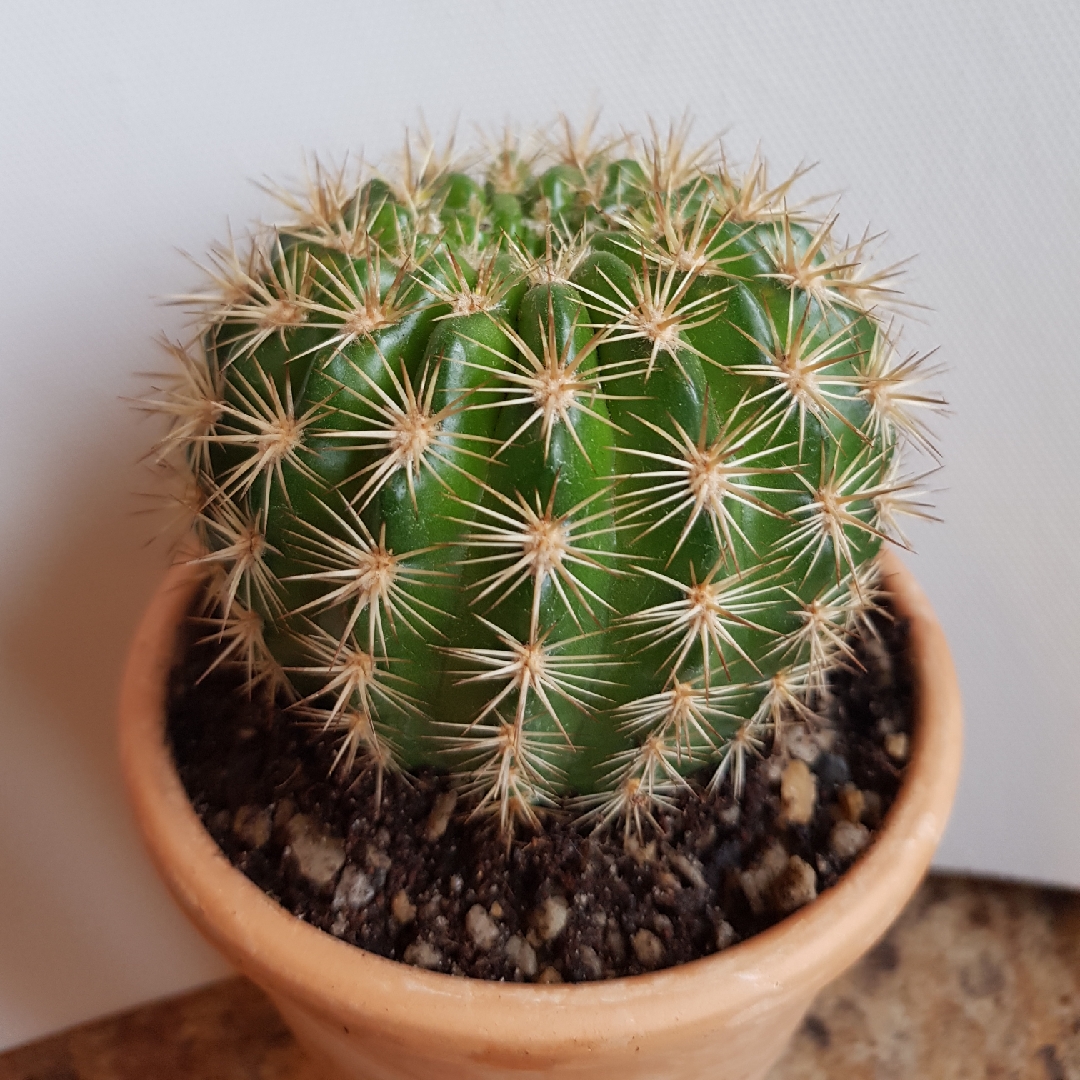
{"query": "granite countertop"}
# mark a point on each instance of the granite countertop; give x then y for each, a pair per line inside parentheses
(976, 979)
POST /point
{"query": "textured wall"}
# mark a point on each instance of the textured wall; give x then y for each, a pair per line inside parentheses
(129, 130)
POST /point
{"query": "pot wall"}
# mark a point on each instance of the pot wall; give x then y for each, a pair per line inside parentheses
(740, 1050)
(725, 1016)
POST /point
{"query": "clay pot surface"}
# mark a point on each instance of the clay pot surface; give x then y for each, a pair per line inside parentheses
(725, 1016)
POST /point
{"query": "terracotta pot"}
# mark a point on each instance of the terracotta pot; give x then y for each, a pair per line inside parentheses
(728, 1015)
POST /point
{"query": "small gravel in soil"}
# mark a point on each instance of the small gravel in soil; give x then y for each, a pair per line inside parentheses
(418, 881)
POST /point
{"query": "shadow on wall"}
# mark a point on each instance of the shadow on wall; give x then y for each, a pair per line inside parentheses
(86, 928)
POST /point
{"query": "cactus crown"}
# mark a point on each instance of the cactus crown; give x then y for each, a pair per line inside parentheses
(566, 469)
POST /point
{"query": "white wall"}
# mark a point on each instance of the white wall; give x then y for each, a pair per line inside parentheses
(128, 130)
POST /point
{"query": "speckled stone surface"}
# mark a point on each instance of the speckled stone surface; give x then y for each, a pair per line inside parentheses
(977, 979)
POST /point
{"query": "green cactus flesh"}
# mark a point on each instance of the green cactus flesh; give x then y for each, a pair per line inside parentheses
(567, 478)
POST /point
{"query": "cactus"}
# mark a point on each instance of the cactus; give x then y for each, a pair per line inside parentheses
(565, 471)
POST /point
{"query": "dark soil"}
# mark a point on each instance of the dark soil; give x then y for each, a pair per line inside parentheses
(418, 883)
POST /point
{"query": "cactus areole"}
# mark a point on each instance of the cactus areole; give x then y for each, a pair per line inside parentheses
(565, 471)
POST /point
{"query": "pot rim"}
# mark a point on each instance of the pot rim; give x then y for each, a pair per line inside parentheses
(304, 964)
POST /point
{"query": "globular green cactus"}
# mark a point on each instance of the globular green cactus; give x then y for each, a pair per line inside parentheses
(566, 471)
